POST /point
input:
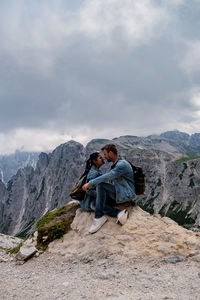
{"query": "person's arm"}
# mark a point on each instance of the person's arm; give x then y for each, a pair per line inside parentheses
(91, 175)
(113, 174)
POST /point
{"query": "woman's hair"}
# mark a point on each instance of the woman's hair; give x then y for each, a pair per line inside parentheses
(89, 162)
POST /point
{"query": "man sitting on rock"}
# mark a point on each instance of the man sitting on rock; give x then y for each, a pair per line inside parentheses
(109, 194)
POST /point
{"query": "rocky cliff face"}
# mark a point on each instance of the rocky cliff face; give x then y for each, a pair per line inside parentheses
(172, 187)
(31, 193)
(185, 143)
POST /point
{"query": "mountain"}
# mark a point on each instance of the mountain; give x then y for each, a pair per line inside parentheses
(172, 183)
(176, 142)
(9, 164)
(186, 144)
(30, 193)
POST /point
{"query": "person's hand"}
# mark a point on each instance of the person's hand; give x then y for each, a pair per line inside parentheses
(86, 186)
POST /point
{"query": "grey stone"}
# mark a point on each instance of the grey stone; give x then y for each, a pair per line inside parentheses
(20, 262)
(25, 252)
(173, 259)
(118, 298)
(193, 254)
(105, 276)
(9, 242)
(196, 258)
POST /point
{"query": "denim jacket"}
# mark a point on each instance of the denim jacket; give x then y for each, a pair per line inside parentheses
(90, 194)
(125, 190)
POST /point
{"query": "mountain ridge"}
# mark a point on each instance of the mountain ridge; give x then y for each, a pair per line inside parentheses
(172, 187)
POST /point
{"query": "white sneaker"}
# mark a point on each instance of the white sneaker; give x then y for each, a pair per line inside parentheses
(97, 223)
(122, 217)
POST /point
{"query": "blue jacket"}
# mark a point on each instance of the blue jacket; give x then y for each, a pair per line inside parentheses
(125, 190)
(90, 194)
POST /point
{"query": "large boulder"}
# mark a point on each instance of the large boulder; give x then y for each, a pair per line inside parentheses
(142, 235)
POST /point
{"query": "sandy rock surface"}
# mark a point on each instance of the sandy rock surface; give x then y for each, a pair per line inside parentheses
(143, 235)
(53, 276)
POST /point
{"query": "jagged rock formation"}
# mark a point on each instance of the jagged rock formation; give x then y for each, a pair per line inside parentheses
(31, 193)
(172, 189)
(9, 164)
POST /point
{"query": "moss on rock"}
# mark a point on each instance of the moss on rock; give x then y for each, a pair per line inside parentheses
(55, 224)
(15, 249)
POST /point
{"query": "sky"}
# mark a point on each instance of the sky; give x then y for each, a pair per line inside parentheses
(87, 69)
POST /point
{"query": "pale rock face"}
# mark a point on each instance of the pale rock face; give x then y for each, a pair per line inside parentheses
(3, 198)
(9, 242)
(142, 235)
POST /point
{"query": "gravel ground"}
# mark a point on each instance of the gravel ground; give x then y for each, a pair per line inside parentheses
(52, 276)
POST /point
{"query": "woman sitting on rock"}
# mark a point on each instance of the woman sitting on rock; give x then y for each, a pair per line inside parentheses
(92, 168)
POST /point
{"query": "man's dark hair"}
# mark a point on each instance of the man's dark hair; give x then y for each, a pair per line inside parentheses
(110, 147)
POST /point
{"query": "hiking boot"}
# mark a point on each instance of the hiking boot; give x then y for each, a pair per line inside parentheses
(97, 223)
(122, 217)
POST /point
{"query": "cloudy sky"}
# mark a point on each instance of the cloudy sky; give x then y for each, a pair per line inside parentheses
(86, 69)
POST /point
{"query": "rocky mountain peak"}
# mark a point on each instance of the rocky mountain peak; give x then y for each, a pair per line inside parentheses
(176, 135)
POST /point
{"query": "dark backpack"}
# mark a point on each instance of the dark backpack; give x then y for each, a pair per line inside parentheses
(139, 179)
(77, 193)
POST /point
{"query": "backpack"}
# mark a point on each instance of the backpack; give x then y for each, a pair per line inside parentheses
(138, 176)
(139, 179)
(77, 193)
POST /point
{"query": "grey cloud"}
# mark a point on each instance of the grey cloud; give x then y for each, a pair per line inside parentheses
(90, 83)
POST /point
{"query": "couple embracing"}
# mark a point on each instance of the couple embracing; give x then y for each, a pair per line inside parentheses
(101, 195)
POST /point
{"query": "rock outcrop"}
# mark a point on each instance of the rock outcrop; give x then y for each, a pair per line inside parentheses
(55, 224)
(143, 235)
(9, 242)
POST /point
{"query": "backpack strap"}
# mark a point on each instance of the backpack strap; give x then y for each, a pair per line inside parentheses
(133, 182)
(114, 165)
